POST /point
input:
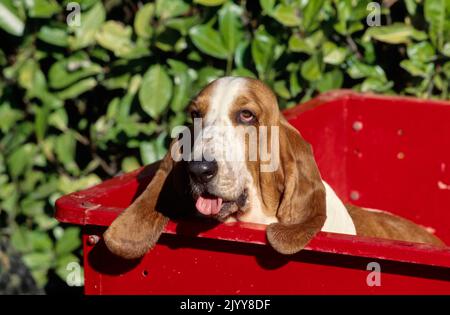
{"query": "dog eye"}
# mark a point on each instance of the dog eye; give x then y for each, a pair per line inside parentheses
(246, 116)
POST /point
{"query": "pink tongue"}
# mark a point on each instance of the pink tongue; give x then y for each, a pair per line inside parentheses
(208, 206)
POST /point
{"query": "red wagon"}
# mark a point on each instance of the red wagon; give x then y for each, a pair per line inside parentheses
(389, 153)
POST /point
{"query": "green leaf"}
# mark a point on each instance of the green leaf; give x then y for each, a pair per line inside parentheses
(91, 21)
(446, 69)
(68, 71)
(20, 239)
(183, 86)
(9, 117)
(68, 242)
(281, 89)
(330, 81)
(267, 6)
(42, 8)
(3, 62)
(287, 15)
(332, 54)
(129, 164)
(446, 49)
(77, 89)
(344, 13)
(142, 20)
(436, 14)
(374, 84)
(116, 37)
(242, 72)
(125, 103)
(396, 33)
(117, 82)
(358, 70)
(349, 15)
(230, 26)
(32, 78)
(311, 13)
(210, 3)
(10, 22)
(53, 36)
(153, 151)
(422, 51)
(37, 260)
(59, 119)
(65, 151)
(45, 222)
(29, 206)
(263, 51)
(417, 68)
(311, 69)
(411, 6)
(183, 24)
(369, 51)
(207, 75)
(155, 91)
(308, 44)
(240, 54)
(40, 241)
(298, 44)
(68, 185)
(166, 9)
(25, 240)
(41, 121)
(19, 160)
(295, 87)
(208, 41)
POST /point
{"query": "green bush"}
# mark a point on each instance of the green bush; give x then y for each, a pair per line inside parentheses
(79, 104)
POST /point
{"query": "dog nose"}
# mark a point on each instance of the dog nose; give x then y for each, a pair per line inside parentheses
(203, 170)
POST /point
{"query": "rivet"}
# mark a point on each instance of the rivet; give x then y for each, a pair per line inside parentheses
(400, 155)
(358, 153)
(354, 195)
(93, 239)
(357, 125)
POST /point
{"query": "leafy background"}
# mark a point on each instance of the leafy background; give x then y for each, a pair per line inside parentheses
(79, 104)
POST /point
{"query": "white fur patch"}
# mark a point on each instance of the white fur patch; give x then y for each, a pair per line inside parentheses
(224, 142)
(255, 214)
(338, 219)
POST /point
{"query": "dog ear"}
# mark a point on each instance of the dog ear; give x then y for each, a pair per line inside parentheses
(302, 208)
(138, 228)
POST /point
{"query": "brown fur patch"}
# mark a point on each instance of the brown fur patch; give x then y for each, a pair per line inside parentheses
(389, 226)
(302, 209)
(138, 228)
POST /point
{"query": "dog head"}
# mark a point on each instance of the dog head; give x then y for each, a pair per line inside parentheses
(240, 159)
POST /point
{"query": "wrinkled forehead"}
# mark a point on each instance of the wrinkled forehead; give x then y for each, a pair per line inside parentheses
(217, 99)
(226, 95)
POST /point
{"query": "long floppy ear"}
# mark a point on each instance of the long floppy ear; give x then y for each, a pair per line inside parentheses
(302, 209)
(138, 228)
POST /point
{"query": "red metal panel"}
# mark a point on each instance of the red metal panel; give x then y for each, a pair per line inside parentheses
(191, 265)
(390, 153)
(407, 159)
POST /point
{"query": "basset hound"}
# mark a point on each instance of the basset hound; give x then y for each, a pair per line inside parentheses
(291, 199)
